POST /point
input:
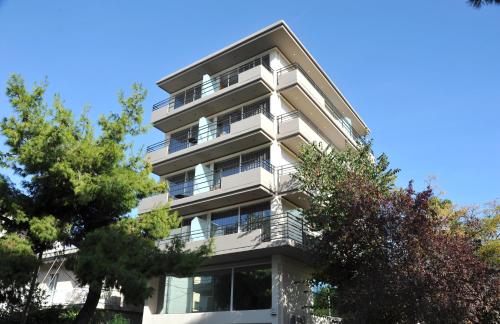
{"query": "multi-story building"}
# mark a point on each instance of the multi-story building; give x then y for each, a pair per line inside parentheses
(234, 124)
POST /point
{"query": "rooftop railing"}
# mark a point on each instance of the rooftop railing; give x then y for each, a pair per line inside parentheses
(205, 133)
(329, 105)
(212, 181)
(202, 89)
(282, 226)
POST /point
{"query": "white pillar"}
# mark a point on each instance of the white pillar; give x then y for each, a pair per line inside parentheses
(202, 179)
(199, 229)
(208, 87)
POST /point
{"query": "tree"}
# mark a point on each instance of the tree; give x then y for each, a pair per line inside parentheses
(480, 3)
(21, 247)
(88, 181)
(482, 224)
(384, 248)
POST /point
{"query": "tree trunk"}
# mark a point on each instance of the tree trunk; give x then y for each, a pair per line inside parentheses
(31, 292)
(88, 309)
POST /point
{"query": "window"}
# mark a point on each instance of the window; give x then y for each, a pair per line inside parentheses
(211, 291)
(181, 185)
(256, 217)
(260, 107)
(227, 79)
(205, 292)
(224, 223)
(224, 169)
(252, 288)
(179, 100)
(258, 61)
(255, 159)
(183, 139)
(224, 122)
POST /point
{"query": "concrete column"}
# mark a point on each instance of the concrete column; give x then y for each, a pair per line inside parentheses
(206, 130)
(208, 88)
(277, 309)
(202, 179)
(199, 229)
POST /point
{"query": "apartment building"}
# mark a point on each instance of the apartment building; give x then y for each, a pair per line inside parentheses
(233, 126)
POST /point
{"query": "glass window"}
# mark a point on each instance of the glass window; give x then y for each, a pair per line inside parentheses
(179, 100)
(260, 107)
(256, 217)
(252, 288)
(224, 223)
(181, 185)
(224, 169)
(227, 79)
(205, 292)
(183, 139)
(212, 292)
(255, 160)
(265, 61)
(224, 121)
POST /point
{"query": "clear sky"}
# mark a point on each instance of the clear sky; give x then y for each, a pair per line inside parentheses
(424, 75)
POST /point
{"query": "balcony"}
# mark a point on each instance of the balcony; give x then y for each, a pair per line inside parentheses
(212, 141)
(288, 187)
(294, 131)
(301, 91)
(246, 182)
(229, 89)
(256, 232)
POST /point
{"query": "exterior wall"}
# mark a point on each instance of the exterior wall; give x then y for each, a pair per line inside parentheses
(289, 291)
(68, 292)
(293, 299)
(288, 300)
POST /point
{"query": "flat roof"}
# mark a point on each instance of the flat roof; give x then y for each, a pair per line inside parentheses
(277, 35)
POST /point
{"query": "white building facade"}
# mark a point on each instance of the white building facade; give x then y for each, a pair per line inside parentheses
(234, 124)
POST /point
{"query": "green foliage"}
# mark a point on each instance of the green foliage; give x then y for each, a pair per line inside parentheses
(44, 229)
(119, 319)
(156, 225)
(16, 267)
(81, 184)
(387, 251)
(479, 224)
(480, 3)
(324, 299)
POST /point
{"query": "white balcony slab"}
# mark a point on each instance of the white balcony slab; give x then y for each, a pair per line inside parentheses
(244, 134)
(251, 84)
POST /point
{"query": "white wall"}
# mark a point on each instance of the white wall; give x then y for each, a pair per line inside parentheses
(69, 292)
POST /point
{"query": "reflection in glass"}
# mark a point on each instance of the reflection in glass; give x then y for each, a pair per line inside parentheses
(252, 288)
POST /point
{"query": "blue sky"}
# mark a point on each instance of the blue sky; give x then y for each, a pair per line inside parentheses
(424, 75)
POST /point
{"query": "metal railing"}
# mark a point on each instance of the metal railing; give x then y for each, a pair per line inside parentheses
(212, 181)
(202, 89)
(207, 132)
(283, 118)
(59, 252)
(329, 105)
(282, 226)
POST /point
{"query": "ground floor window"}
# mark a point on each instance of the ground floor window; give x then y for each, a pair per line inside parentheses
(211, 291)
(252, 288)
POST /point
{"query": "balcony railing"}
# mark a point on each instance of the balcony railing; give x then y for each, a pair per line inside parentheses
(208, 132)
(283, 118)
(215, 84)
(283, 226)
(212, 181)
(329, 105)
